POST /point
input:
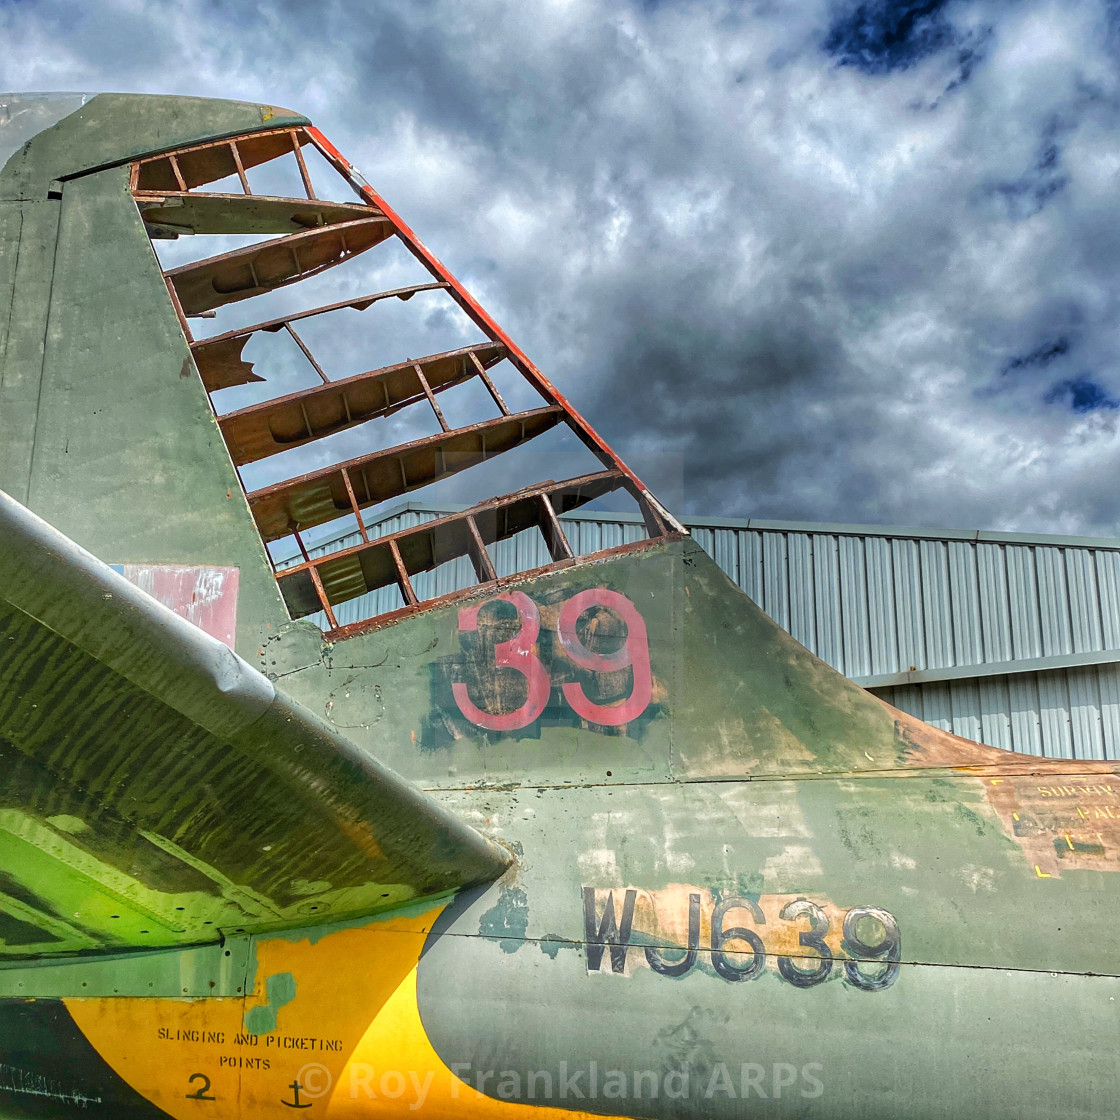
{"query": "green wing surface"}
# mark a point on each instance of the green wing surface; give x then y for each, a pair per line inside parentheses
(160, 791)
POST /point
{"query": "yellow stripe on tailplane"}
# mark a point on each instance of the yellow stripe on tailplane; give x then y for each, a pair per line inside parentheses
(171, 1050)
(396, 1072)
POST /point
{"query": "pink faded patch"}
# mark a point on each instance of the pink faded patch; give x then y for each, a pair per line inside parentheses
(205, 596)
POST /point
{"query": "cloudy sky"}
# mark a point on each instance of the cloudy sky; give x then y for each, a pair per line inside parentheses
(834, 261)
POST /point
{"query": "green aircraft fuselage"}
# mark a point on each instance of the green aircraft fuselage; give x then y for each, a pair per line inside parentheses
(598, 839)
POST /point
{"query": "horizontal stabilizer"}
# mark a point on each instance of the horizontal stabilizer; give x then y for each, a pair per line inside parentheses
(158, 790)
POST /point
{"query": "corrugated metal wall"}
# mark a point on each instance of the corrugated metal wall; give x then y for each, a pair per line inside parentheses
(880, 604)
(1060, 713)
(1003, 638)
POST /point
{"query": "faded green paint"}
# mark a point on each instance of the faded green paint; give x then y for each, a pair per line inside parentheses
(29, 231)
(926, 848)
(199, 972)
(84, 334)
(942, 1042)
(149, 791)
(91, 354)
(102, 472)
(114, 128)
(280, 989)
(735, 684)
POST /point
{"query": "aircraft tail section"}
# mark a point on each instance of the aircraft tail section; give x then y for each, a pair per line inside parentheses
(149, 416)
(647, 665)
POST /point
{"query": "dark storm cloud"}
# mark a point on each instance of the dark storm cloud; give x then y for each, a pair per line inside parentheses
(1026, 195)
(841, 261)
(1040, 356)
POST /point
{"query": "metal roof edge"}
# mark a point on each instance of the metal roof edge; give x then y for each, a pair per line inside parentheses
(991, 669)
(982, 536)
(991, 536)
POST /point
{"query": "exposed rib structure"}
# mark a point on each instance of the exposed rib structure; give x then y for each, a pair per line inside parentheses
(305, 236)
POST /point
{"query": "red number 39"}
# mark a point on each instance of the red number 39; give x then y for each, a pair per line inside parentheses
(517, 654)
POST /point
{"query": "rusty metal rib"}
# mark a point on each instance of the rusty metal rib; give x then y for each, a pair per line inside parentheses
(365, 567)
(358, 304)
(264, 429)
(474, 310)
(214, 281)
(319, 496)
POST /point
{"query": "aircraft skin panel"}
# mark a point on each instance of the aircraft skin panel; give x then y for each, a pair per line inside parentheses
(593, 839)
(110, 485)
(353, 1014)
(30, 232)
(25, 115)
(50, 1069)
(110, 129)
(721, 697)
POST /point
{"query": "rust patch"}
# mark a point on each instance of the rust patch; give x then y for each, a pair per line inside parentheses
(1061, 823)
(1063, 813)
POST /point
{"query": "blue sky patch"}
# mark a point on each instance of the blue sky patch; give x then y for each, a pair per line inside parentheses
(878, 36)
(1082, 394)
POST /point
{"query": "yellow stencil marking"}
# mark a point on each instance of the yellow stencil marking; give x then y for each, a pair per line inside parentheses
(341, 982)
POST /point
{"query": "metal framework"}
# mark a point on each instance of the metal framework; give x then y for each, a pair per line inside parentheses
(312, 235)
